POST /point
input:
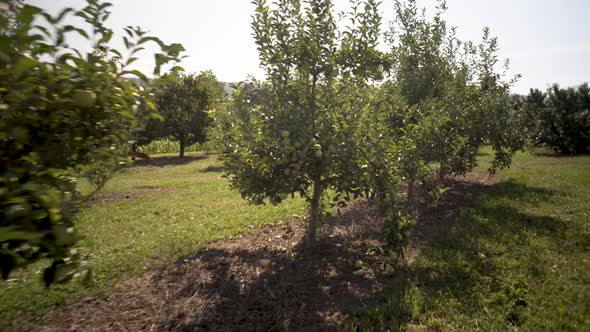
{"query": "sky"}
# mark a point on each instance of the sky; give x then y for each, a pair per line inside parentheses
(547, 41)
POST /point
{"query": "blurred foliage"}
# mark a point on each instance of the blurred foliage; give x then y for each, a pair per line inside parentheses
(63, 114)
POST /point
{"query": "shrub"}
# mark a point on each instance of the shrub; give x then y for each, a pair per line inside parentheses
(563, 118)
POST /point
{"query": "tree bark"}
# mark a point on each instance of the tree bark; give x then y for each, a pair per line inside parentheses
(315, 213)
(181, 149)
(411, 195)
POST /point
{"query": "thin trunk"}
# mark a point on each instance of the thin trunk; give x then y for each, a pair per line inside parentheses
(315, 214)
(411, 195)
(314, 217)
(181, 149)
(411, 203)
(133, 151)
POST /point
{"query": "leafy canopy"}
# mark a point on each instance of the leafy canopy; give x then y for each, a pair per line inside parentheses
(62, 113)
(185, 101)
(294, 133)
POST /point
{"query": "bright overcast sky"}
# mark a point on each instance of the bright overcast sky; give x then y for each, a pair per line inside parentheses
(547, 41)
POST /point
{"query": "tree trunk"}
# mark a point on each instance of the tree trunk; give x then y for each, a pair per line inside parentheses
(411, 197)
(134, 151)
(181, 149)
(315, 214)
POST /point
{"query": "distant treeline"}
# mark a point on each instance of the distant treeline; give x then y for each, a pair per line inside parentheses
(559, 118)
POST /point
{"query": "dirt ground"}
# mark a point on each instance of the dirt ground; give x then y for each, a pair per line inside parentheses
(262, 281)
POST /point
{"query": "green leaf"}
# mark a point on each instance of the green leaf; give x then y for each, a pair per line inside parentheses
(62, 14)
(13, 233)
(24, 63)
(128, 44)
(27, 14)
(154, 39)
(136, 73)
(174, 49)
(131, 60)
(81, 32)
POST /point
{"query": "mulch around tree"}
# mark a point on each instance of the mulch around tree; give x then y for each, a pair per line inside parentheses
(261, 281)
(257, 282)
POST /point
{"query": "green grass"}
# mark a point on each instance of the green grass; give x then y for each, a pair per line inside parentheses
(511, 256)
(514, 256)
(173, 210)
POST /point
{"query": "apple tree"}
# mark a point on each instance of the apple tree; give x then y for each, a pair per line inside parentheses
(63, 112)
(450, 92)
(184, 102)
(294, 133)
(442, 99)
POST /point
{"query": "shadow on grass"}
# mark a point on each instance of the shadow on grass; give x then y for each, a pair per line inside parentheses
(482, 154)
(265, 281)
(556, 154)
(270, 283)
(213, 169)
(458, 243)
(169, 161)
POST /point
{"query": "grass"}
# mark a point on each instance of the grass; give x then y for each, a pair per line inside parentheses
(510, 256)
(513, 256)
(148, 216)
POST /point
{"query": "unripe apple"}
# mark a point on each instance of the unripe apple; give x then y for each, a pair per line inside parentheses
(285, 133)
(317, 153)
(283, 196)
(358, 264)
(85, 98)
(317, 147)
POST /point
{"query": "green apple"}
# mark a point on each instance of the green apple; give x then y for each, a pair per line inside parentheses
(85, 98)
(318, 153)
(358, 264)
(285, 133)
(283, 196)
(317, 147)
